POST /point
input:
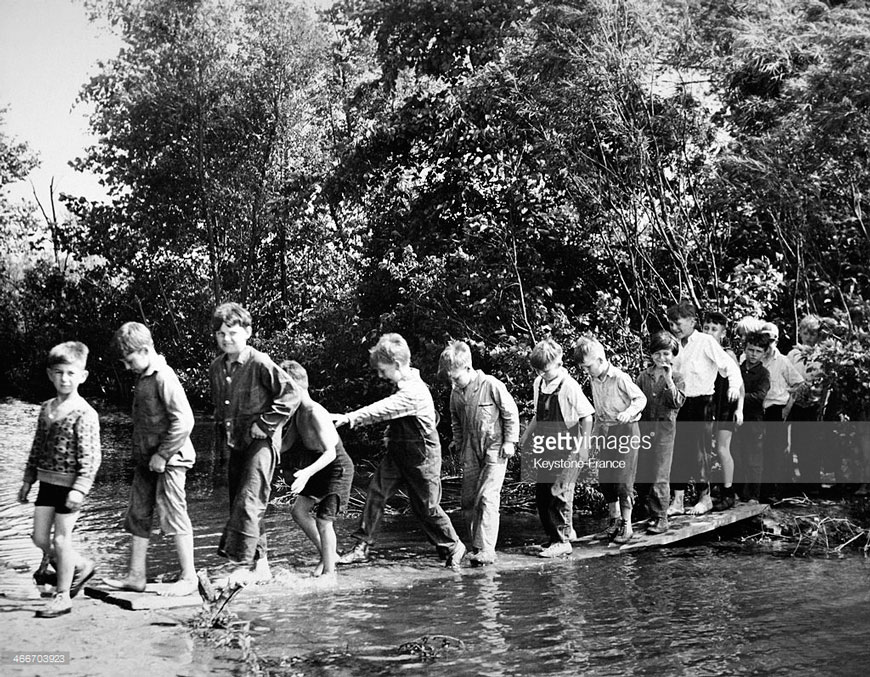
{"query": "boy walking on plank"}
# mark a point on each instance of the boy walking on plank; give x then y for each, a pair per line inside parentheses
(413, 455)
(163, 453)
(486, 424)
(618, 404)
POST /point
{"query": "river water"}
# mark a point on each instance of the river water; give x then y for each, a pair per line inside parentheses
(712, 607)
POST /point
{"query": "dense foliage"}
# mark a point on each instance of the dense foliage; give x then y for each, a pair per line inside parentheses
(489, 170)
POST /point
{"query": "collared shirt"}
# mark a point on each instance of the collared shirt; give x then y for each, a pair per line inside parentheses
(162, 417)
(412, 398)
(251, 389)
(573, 403)
(784, 378)
(756, 382)
(699, 360)
(483, 415)
(614, 393)
(663, 399)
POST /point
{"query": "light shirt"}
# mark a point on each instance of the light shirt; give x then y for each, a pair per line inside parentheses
(699, 360)
(784, 378)
(613, 393)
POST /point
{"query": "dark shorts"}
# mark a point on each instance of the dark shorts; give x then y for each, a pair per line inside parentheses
(54, 496)
(328, 508)
(724, 410)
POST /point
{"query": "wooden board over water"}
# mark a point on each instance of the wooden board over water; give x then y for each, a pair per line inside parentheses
(143, 601)
(411, 564)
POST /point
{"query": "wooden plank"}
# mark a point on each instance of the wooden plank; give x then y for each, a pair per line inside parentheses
(143, 601)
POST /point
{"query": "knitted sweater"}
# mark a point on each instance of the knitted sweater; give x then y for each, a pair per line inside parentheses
(66, 450)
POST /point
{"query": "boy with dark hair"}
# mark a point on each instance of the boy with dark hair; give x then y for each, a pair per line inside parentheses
(318, 469)
(163, 453)
(699, 360)
(486, 425)
(618, 405)
(750, 436)
(727, 414)
(413, 453)
(664, 390)
(65, 457)
(253, 397)
(560, 407)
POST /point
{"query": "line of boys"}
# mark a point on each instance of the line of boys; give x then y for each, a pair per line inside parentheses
(254, 398)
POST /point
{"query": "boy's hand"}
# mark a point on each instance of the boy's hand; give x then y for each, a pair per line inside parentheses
(299, 483)
(340, 420)
(74, 499)
(738, 418)
(733, 394)
(257, 432)
(507, 450)
(23, 491)
(157, 463)
(624, 417)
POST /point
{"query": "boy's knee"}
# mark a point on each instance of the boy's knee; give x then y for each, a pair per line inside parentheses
(41, 541)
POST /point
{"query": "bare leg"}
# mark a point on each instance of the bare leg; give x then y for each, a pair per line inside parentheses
(66, 554)
(188, 583)
(137, 571)
(723, 450)
(302, 516)
(328, 554)
(43, 520)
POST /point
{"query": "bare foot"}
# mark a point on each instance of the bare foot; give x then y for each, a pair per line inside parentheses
(702, 507)
(318, 570)
(181, 588)
(262, 572)
(127, 584)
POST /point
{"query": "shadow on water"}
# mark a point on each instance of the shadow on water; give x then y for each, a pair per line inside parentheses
(709, 608)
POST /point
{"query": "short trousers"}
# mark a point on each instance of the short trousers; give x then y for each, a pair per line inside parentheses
(328, 508)
(54, 496)
(163, 491)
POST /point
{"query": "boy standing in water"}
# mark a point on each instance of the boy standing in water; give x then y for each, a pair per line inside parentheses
(163, 453)
(65, 457)
(318, 469)
(413, 455)
(486, 426)
(253, 397)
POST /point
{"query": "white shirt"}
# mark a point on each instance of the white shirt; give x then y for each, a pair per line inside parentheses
(784, 378)
(700, 359)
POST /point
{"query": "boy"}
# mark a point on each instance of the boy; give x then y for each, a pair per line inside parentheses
(806, 441)
(560, 407)
(750, 436)
(618, 405)
(727, 415)
(664, 389)
(413, 453)
(65, 457)
(163, 453)
(699, 360)
(324, 471)
(785, 381)
(485, 423)
(253, 397)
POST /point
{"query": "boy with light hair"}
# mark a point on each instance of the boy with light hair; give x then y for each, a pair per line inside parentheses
(413, 455)
(485, 422)
(560, 408)
(618, 403)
